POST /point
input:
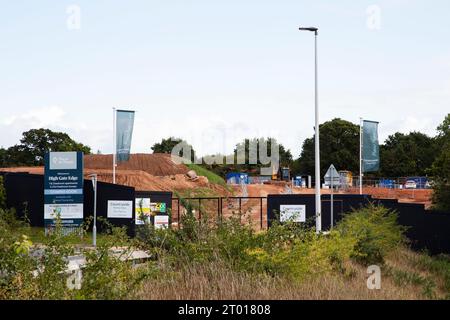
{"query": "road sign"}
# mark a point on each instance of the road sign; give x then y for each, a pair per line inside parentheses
(332, 173)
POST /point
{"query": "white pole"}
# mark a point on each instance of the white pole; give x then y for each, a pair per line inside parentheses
(360, 156)
(114, 146)
(317, 145)
(332, 199)
(94, 228)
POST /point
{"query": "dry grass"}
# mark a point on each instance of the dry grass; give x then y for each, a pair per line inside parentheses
(215, 281)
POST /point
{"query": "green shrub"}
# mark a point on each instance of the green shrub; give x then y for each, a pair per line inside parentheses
(376, 232)
(311, 255)
(2, 194)
(289, 249)
(107, 274)
(29, 271)
(437, 265)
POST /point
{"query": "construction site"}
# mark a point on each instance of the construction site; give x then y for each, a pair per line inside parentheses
(244, 197)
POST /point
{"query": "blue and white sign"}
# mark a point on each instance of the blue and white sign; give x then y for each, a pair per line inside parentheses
(63, 189)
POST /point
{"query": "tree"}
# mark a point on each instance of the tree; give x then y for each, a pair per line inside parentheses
(253, 168)
(167, 145)
(35, 143)
(3, 157)
(285, 156)
(405, 155)
(441, 168)
(339, 145)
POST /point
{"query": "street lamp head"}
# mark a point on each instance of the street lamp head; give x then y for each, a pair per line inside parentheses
(312, 29)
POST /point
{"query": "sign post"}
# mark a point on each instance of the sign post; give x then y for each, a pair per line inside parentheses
(333, 177)
(94, 228)
(63, 190)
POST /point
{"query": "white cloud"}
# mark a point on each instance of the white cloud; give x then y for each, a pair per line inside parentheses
(41, 117)
(53, 118)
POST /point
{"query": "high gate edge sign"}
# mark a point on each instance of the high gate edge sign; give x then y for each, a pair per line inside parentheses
(63, 189)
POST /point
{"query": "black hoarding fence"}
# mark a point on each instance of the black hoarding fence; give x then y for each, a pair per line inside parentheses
(108, 192)
(427, 230)
(25, 193)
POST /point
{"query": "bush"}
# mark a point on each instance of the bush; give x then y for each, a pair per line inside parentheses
(2, 194)
(29, 271)
(289, 249)
(376, 232)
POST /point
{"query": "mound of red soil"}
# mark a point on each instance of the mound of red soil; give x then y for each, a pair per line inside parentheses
(154, 164)
(145, 172)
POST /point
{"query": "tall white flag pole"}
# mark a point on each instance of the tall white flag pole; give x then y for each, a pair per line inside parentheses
(360, 156)
(114, 145)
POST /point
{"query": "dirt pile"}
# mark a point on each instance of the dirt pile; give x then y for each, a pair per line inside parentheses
(155, 164)
(143, 181)
(144, 172)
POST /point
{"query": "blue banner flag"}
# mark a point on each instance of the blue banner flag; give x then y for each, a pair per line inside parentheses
(124, 133)
(370, 147)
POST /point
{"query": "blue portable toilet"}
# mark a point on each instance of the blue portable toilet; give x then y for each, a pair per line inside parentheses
(237, 178)
(298, 181)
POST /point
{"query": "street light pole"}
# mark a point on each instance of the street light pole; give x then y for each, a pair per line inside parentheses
(94, 228)
(114, 145)
(317, 133)
(361, 163)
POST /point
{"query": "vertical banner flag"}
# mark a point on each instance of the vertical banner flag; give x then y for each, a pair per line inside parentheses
(63, 189)
(124, 133)
(370, 147)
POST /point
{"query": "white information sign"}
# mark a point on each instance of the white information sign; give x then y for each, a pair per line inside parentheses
(294, 213)
(161, 222)
(120, 209)
(64, 211)
(143, 210)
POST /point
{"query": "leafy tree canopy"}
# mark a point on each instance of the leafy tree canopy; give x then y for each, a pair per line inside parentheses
(254, 155)
(441, 168)
(35, 143)
(339, 145)
(405, 155)
(167, 145)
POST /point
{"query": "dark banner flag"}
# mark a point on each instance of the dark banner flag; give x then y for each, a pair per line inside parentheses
(124, 133)
(370, 147)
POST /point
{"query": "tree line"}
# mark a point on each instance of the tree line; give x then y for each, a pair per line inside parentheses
(401, 155)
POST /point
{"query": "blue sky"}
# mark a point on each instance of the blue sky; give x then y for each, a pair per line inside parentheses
(214, 72)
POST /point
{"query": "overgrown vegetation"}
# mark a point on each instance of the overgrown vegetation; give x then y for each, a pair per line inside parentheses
(40, 271)
(2, 194)
(286, 253)
(227, 259)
